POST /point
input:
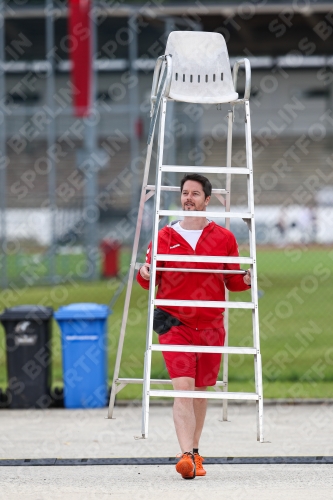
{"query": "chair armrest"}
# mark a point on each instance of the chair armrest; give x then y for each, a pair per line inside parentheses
(247, 65)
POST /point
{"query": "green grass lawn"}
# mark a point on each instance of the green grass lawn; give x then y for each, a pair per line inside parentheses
(295, 325)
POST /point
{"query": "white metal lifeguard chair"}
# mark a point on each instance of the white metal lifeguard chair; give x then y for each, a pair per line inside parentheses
(195, 69)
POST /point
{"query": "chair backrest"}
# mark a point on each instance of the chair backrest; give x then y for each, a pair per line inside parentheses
(200, 67)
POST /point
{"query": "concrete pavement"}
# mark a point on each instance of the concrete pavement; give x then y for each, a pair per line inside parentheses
(290, 430)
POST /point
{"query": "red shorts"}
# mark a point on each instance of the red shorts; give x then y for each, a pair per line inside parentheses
(204, 368)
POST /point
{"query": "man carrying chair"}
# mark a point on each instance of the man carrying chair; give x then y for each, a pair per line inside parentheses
(199, 326)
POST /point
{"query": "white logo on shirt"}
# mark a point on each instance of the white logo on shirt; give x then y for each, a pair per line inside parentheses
(174, 246)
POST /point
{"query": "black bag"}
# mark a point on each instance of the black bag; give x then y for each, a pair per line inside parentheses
(163, 321)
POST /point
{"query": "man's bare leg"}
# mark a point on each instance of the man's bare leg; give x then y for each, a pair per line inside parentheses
(200, 408)
(184, 414)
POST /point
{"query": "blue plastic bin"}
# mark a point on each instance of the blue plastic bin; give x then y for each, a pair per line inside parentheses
(84, 354)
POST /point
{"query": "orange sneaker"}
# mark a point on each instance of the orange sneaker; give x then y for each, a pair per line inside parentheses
(186, 466)
(200, 471)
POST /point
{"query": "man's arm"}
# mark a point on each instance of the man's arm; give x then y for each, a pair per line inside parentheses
(236, 282)
(145, 271)
(247, 278)
(143, 276)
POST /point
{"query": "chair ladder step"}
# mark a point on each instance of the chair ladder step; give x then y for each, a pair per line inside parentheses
(138, 265)
(190, 213)
(153, 381)
(204, 303)
(205, 349)
(168, 393)
(205, 170)
(176, 189)
(204, 258)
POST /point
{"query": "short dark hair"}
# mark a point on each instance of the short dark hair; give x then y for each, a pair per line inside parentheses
(206, 185)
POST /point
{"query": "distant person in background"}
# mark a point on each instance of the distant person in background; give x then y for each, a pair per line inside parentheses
(281, 226)
(307, 224)
(314, 223)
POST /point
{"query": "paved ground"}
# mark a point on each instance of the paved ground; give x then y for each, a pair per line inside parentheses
(302, 430)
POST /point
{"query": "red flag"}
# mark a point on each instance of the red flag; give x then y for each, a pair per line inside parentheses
(80, 42)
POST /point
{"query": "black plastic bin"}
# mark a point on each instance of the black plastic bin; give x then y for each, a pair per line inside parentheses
(28, 347)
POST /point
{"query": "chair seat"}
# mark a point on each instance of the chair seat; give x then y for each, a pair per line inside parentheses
(200, 99)
(200, 68)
